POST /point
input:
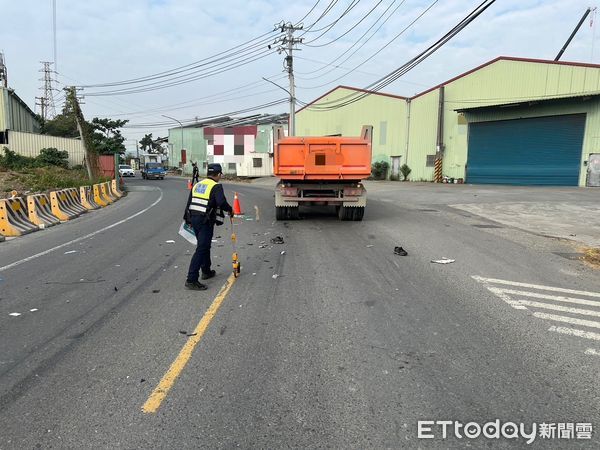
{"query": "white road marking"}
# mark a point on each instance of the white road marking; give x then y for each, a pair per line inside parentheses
(500, 293)
(536, 286)
(587, 312)
(571, 320)
(87, 236)
(556, 298)
(522, 299)
(575, 332)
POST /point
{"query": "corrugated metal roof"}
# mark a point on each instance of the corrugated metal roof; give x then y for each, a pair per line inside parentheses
(530, 102)
(256, 119)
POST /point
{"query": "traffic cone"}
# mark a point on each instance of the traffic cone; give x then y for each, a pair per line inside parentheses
(189, 185)
(237, 209)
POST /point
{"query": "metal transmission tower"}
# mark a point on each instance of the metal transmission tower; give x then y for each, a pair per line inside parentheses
(3, 72)
(46, 101)
(287, 45)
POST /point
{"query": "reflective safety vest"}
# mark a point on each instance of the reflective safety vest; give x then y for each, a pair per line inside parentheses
(200, 195)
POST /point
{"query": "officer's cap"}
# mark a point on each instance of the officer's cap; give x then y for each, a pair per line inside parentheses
(214, 169)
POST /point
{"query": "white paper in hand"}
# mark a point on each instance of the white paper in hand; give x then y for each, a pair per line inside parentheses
(187, 232)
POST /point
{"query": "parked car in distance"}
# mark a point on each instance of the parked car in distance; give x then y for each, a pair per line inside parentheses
(153, 170)
(126, 171)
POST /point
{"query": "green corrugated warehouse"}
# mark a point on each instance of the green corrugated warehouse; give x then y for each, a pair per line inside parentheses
(508, 121)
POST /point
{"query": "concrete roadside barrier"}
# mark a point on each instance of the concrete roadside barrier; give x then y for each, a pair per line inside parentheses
(13, 217)
(39, 211)
(60, 206)
(105, 194)
(115, 188)
(109, 191)
(74, 200)
(98, 197)
(86, 196)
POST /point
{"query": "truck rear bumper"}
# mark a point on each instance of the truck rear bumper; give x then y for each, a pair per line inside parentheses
(294, 195)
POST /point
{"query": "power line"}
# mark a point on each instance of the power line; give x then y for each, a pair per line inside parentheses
(357, 41)
(394, 75)
(328, 28)
(380, 50)
(225, 67)
(348, 31)
(199, 119)
(232, 52)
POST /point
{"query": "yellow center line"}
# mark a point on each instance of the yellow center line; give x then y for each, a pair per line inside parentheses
(169, 378)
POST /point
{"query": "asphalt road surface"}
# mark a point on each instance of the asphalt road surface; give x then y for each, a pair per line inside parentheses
(326, 340)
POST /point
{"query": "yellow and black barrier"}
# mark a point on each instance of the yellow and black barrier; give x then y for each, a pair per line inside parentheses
(60, 206)
(13, 217)
(109, 191)
(74, 200)
(40, 212)
(115, 188)
(86, 197)
(105, 195)
(98, 197)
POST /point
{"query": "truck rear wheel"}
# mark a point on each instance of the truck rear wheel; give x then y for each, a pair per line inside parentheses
(280, 212)
(345, 213)
(358, 213)
(293, 213)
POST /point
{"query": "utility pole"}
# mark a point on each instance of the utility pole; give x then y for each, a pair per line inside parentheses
(287, 46)
(46, 101)
(564, 47)
(181, 128)
(92, 162)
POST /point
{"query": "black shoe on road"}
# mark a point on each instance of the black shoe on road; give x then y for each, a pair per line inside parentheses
(195, 286)
(206, 276)
(400, 251)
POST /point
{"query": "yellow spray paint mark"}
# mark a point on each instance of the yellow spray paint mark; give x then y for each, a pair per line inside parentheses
(168, 380)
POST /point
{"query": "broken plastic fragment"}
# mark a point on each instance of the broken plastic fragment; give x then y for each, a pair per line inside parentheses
(14, 314)
(71, 251)
(275, 276)
(170, 241)
(444, 260)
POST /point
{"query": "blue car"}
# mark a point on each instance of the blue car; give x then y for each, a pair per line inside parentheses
(153, 170)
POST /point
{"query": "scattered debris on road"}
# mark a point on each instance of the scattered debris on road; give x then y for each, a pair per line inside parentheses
(222, 330)
(370, 245)
(275, 276)
(116, 289)
(283, 252)
(444, 260)
(155, 291)
(170, 241)
(70, 251)
(15, 314)
(277, 240)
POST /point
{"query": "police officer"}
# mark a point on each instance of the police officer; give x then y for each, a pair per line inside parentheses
(205, 205)
(195, 173)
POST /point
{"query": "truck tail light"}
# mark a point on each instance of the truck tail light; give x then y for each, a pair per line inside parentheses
(290, 192)
(352, 192)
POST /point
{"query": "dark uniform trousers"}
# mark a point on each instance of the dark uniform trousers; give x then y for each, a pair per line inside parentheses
(204, 229)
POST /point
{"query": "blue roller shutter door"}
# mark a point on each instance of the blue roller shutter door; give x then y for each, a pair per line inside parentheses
(537, 151)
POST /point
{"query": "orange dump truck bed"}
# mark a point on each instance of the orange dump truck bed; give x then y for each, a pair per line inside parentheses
(323, 158)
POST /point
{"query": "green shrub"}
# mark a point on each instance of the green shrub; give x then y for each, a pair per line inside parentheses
(12, 161)
(47, 157)
(379, 170)
(405, 171)
(53, 157)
